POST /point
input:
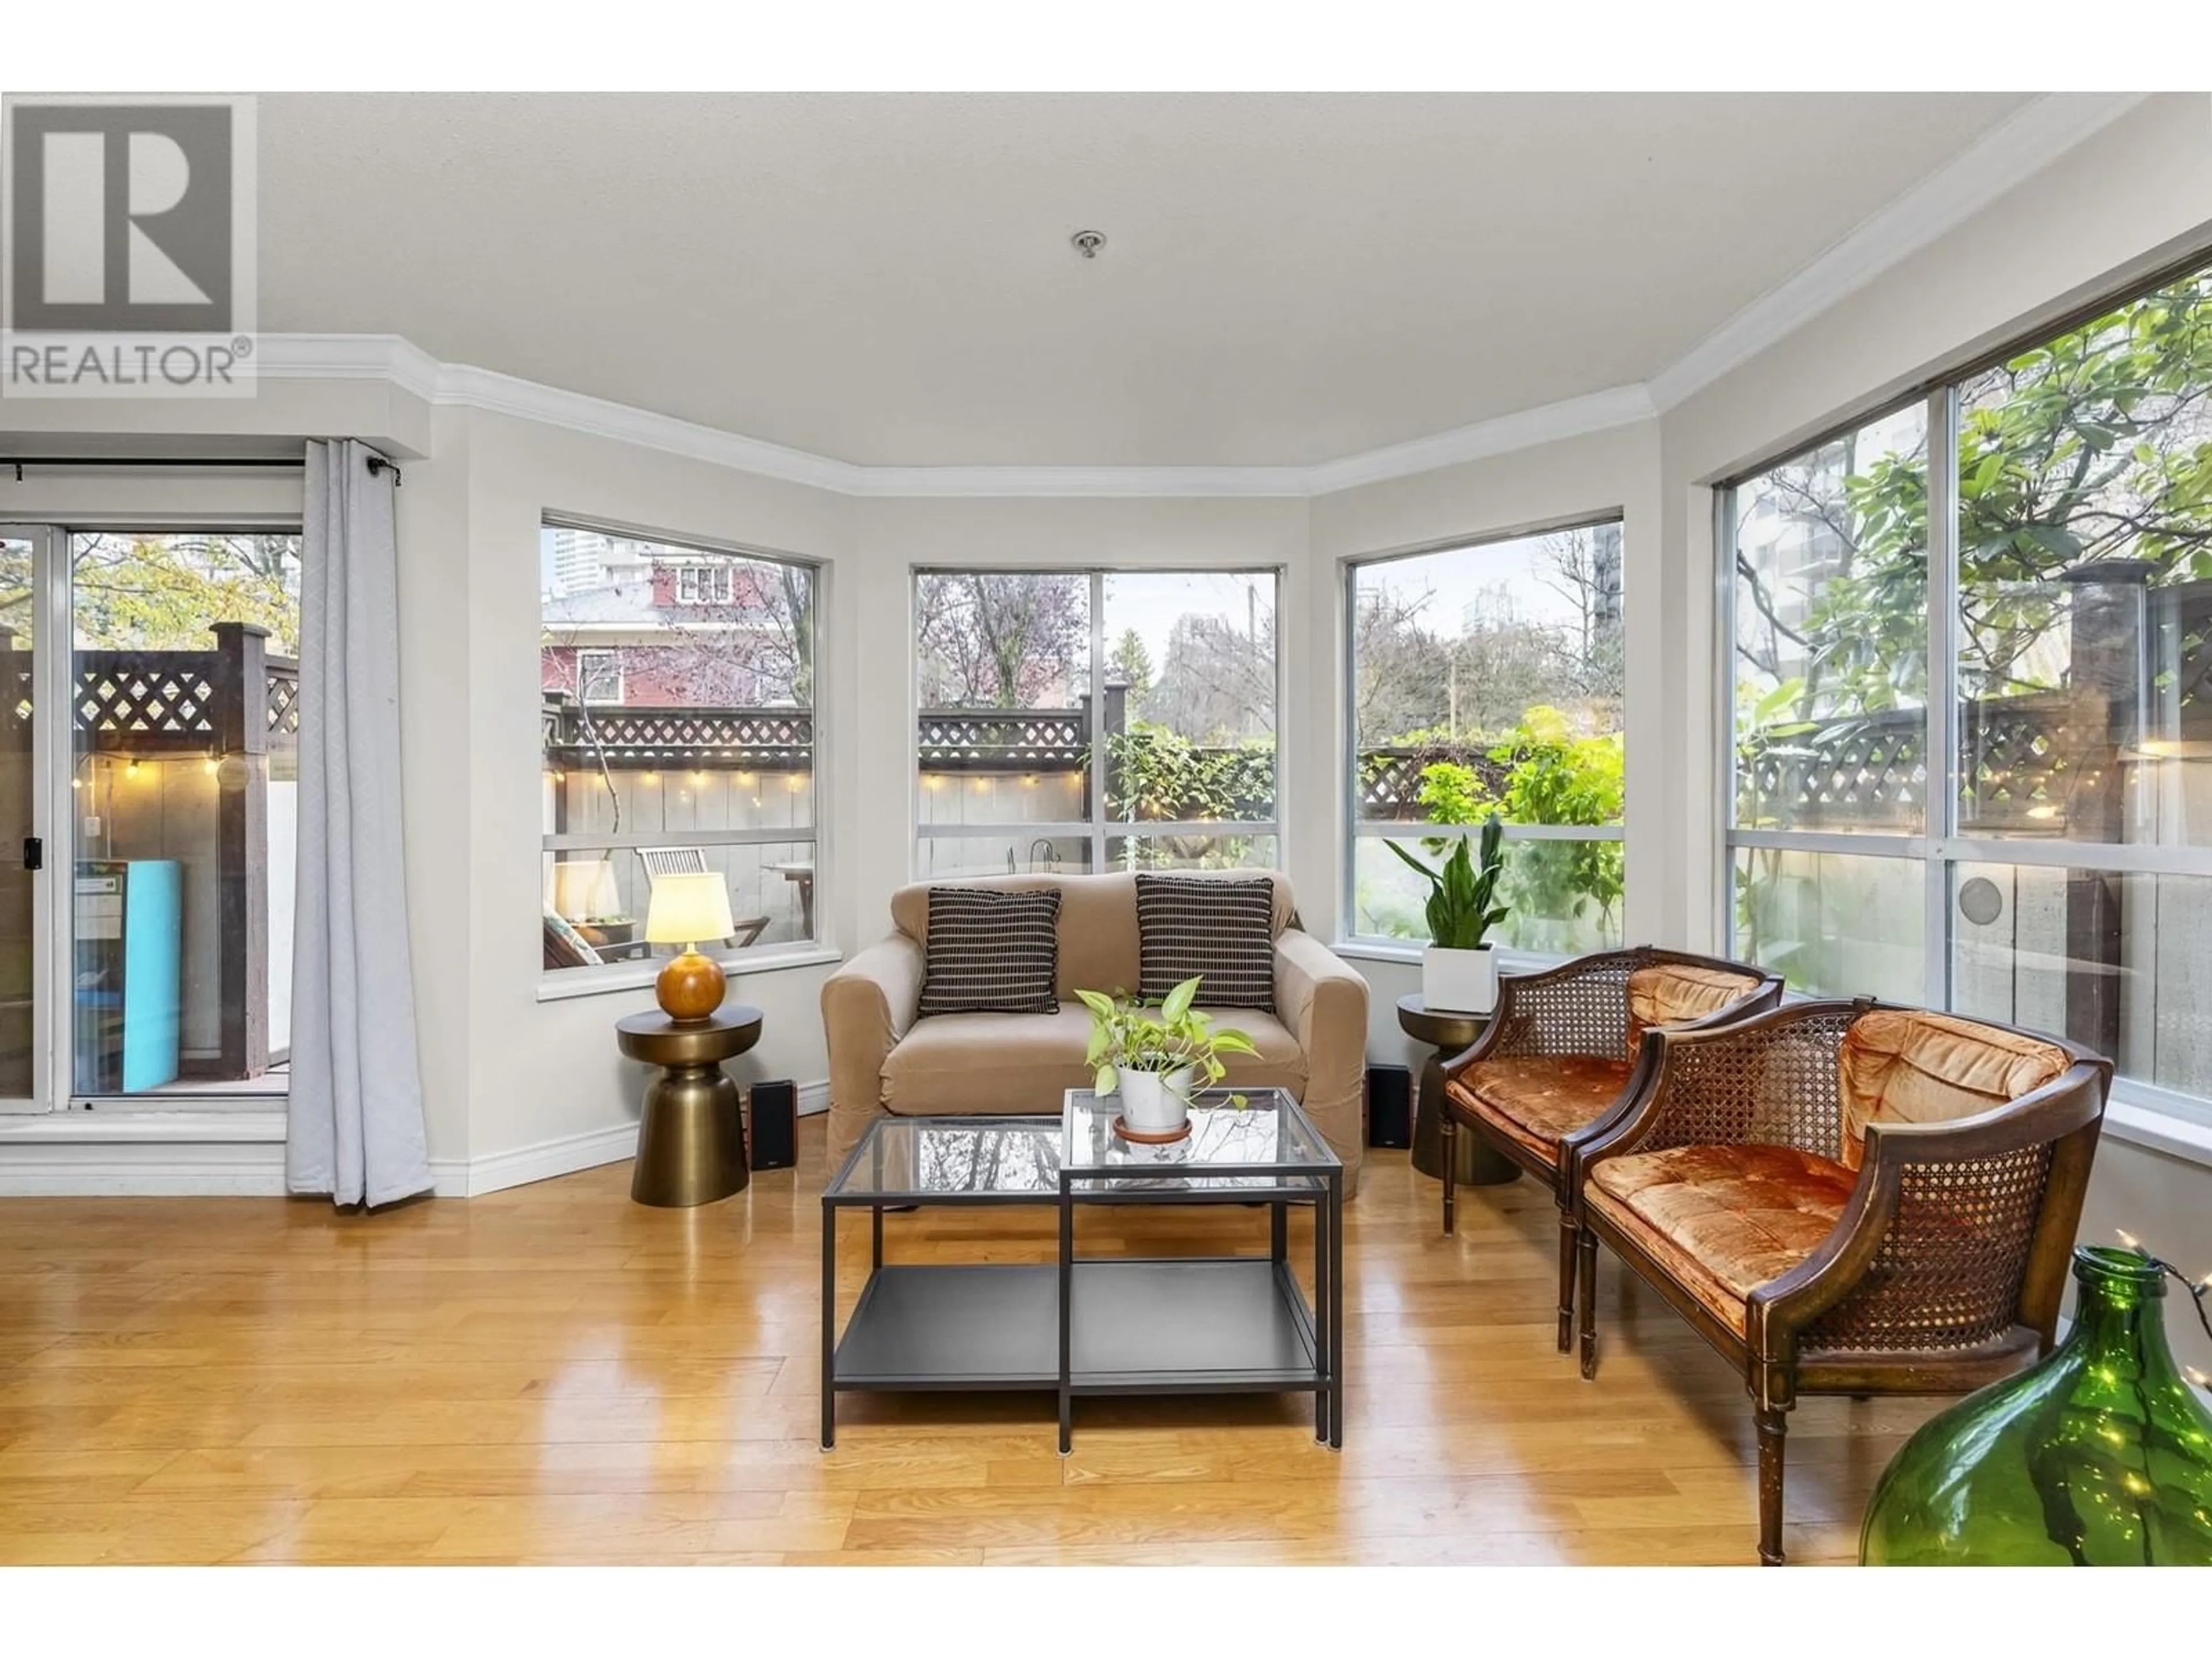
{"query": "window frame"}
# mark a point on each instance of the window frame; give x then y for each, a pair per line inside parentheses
(558, 984)
(1098, 830)
(1940, 848)
(1354, 828)
(585, 654)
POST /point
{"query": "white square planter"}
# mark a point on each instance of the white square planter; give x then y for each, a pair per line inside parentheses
(1460, 981)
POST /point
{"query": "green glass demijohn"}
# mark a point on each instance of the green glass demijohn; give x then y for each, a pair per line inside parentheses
(2101, 1455)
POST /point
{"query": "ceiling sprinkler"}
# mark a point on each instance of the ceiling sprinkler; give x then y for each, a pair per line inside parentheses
(1088, 242)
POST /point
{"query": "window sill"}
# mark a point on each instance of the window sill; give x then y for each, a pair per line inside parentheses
(2161, 1131)
(634, 976)
(1371, 949)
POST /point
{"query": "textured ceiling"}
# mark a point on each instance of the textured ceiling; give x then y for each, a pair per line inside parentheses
(887, 279)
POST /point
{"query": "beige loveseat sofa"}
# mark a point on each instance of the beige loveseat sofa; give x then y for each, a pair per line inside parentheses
(884, 1059)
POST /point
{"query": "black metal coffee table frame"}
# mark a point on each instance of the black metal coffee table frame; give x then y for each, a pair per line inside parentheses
(1097, 1326)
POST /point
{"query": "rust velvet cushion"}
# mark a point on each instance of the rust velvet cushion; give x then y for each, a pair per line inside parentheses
(1540, 1099)
(1906, 1066)
(1723, 1220)
(1675, 992)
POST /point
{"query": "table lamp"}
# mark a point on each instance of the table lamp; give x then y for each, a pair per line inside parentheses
(584, 889)
(685, 909)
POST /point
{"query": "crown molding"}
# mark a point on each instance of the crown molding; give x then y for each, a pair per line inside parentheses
(392, 359)
(2028, 141)
(1571, 417)
(2006, 156)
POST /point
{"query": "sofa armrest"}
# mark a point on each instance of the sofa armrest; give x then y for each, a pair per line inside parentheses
(1323, 1003)
(867, 1005)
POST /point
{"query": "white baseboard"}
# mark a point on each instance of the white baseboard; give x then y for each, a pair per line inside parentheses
(176, 1154)
(563, 1155)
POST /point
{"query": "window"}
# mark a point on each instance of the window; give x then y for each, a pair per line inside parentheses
(1074, 721)
(1971, 763)
(703, 584)
(600, 675)
(671, 720)
(1487, 679)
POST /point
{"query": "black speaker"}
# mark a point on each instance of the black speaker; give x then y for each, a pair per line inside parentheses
(775, 1125)
(1389, 1106)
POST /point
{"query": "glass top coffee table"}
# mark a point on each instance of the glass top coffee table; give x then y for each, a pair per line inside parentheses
(1094, 1325)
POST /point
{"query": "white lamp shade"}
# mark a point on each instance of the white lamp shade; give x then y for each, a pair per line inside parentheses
(688, 909)
(584, 889)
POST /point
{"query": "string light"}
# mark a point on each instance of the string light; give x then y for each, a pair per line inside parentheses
(2198, 1289)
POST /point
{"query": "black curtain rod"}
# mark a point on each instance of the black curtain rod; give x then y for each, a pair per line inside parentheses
(376, 463)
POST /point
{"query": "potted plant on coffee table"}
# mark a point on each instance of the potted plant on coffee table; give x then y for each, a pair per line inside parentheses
(1459, 969)
(1155, 1060)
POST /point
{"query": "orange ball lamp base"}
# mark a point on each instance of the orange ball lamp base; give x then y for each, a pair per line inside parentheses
(691, 986)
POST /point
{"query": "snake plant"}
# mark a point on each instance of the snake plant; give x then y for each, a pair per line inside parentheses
(1459, 908)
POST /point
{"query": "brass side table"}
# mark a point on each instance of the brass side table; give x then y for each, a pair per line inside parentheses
(1481, 1164)
(691, 1139)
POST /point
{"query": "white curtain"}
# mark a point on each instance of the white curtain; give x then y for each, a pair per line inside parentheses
(356, 1113)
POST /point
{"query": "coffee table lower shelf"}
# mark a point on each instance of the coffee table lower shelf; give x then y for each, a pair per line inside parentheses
(1206, 1325)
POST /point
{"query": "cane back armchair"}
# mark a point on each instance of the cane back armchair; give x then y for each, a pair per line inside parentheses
(1847, 1197)
(1559, 1059)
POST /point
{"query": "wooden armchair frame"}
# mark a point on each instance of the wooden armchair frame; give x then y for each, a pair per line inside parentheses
(1579, 1007)
(1945, 1270)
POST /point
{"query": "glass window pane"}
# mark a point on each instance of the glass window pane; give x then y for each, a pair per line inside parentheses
(184, 795)
(18, 1015)
(1190, 697)
(1050, 853)
(1834, 924)
(1489, 679)
(2085, 581)
(1002, 664)
(679, 687)
(2120, 961)
(1227, 852)
(1830, 647)
(1565, 896)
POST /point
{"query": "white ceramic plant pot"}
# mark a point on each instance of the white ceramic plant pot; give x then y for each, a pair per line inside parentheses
(1460, 981)
(1154, 1103)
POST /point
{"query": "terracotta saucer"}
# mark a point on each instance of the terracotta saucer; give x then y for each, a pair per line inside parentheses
(1149, 1138)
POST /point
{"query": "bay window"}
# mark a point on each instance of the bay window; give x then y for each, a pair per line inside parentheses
(677, 711)
(1487, 679)
(1077, 720)
(1970, 643)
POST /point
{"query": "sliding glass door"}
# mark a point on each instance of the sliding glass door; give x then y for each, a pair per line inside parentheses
(26, 904)
(182, 787)
(149, 735)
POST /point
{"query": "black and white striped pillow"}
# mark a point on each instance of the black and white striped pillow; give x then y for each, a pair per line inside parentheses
(991, 952)
(1221, 931)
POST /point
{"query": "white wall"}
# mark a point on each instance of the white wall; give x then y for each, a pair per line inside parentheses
(504, 1073)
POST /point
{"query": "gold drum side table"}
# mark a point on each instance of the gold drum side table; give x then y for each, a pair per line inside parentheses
(691, 1138)
(1481, 1164)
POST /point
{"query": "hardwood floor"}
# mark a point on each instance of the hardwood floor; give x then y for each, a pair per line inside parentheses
(554, 1374)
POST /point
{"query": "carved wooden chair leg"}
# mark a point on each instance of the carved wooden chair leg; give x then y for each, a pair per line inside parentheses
(1586, 1296)
(1567, 1230)
(1774, 1425)
(1447, 1134)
